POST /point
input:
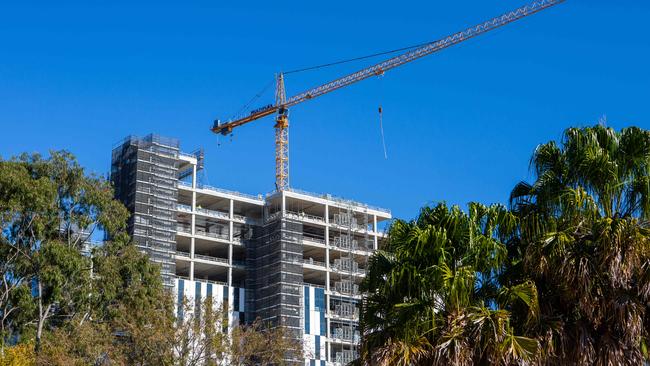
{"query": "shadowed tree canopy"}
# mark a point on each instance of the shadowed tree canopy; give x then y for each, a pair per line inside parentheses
(585, 241)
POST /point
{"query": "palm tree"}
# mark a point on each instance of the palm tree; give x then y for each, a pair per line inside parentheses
(435, 296)
(585, 242)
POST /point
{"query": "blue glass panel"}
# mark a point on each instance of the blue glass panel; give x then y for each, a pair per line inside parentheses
(306, 310)
(181, 290)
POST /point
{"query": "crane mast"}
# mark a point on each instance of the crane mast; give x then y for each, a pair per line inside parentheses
(281, 136)
(282, 104)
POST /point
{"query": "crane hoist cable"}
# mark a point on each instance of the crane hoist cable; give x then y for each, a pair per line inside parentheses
(381, 115)
(381, 129)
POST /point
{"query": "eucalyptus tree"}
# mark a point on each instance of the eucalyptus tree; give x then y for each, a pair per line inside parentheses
(48, 210)
(435, 295)
(72, 306)
(585, 241)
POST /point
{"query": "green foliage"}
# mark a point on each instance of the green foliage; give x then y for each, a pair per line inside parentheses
(562, 278)
(435, 295)
(76, 309)
(128, 318)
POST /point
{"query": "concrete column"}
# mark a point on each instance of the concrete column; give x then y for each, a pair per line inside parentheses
(194, 176)
(374, 227)
(192, 226)
(192, 262)
(327, 346)
(327, 273)
(284, 203)
(327, 248)
(231, 212)
(327, 319)
(230, 262)
(327, 214)
(374, 223)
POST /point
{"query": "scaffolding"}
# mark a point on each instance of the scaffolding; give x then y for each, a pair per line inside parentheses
(144, 173)
(274, 264)
(345, 304)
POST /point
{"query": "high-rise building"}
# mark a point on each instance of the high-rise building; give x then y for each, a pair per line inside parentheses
(291, 258)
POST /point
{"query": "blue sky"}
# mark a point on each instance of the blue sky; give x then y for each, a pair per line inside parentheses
(459, 125)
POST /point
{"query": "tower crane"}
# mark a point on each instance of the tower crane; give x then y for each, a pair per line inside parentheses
(282, 103)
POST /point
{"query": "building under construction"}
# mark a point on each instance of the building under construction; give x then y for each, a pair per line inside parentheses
(290, 258)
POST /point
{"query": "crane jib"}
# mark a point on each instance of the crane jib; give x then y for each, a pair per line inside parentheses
(226, 128)
(425, 50)
(380, 68)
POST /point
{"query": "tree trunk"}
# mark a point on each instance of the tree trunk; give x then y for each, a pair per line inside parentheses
(42, 316)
